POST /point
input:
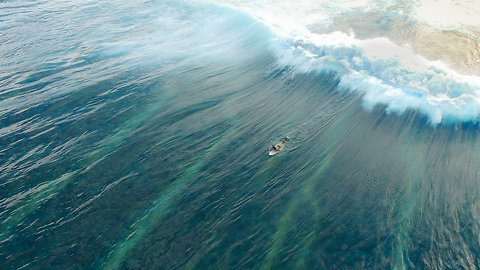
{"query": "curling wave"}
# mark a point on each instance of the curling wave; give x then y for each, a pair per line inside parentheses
(387, 71)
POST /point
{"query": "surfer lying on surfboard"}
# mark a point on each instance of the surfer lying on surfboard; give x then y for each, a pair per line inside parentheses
(279, 146)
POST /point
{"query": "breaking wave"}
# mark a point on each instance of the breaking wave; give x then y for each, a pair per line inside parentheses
(387, 69)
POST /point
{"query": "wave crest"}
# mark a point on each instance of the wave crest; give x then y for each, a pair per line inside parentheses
(388, 74)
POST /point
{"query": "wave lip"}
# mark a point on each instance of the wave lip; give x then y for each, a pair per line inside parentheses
(391, 75)
(386, 71)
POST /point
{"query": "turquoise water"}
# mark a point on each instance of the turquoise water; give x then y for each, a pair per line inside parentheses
(136, 136)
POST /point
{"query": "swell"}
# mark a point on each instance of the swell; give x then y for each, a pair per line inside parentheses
(55, 145)
(166, 162)
(387, 54)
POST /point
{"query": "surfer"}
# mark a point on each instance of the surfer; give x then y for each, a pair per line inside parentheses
(280, 145)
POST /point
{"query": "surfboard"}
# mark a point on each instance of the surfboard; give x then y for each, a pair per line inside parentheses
(274, 152)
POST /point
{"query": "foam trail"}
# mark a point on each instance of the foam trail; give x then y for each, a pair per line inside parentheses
(459, 13)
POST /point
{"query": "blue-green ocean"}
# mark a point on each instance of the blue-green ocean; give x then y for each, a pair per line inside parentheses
(135, 135)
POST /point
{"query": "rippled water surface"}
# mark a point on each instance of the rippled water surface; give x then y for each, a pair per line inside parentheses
(136, 135)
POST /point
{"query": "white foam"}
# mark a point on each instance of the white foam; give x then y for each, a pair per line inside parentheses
(383, 71)
(389, 74)
(448, 14)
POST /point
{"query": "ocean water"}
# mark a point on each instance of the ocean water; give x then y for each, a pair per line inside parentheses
(135, 135)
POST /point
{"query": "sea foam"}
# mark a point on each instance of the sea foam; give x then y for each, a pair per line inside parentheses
(383, 71)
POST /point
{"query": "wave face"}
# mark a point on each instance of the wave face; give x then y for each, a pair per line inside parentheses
(134, 135)
(400, 54)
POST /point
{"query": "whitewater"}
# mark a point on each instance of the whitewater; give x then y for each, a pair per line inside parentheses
(135, 135)
(407, 55)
